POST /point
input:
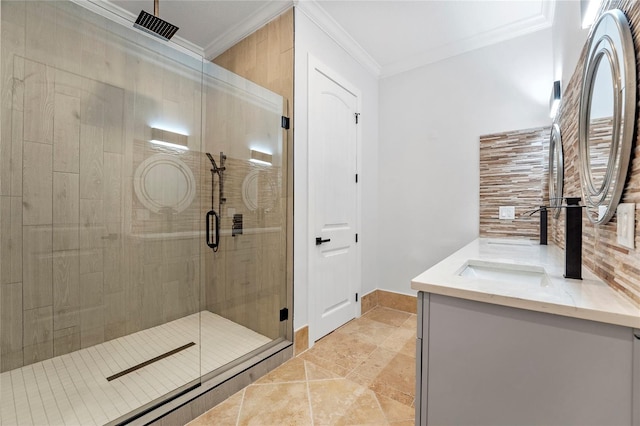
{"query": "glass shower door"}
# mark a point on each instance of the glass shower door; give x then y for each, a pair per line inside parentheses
(100, 226)
(245, 278)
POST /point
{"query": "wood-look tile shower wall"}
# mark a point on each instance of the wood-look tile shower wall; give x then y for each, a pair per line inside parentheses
(616, 265)
(80, 261)
(262, 274)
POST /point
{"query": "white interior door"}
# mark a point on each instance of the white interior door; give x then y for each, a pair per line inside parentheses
(334, 271)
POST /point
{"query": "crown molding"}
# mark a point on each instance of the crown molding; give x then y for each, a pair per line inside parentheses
(529, 25)
(255, 21)
(326, 23)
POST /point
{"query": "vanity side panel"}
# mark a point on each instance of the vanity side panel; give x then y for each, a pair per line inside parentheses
(492, 365)
(422, 358)
(636, 378)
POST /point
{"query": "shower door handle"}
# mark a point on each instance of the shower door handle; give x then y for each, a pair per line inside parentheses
(319, 240)
(216, 240)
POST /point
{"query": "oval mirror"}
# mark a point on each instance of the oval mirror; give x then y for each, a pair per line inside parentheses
(607, 115)
(556, 170)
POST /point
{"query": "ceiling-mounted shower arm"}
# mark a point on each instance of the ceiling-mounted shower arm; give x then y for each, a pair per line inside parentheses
(152, 24)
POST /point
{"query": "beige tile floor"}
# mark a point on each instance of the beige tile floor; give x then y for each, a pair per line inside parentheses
(362, 373)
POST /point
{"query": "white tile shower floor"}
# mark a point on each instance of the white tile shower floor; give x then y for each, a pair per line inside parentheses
(72, 389)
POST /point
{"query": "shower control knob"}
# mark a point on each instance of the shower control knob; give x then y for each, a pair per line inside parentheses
(319, 240)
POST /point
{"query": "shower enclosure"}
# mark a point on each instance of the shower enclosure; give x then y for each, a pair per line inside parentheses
(111, 301)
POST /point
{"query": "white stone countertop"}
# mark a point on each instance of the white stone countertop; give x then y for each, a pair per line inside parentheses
(589, 298)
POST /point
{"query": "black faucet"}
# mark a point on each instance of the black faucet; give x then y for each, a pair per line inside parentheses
(543, 225)
(573, 239)
(543, 222)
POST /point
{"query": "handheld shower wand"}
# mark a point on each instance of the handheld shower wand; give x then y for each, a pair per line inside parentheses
(214, 242)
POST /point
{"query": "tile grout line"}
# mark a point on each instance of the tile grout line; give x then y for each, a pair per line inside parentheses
(65, 393)
(306, 375)
(375, 394)
(244, 391)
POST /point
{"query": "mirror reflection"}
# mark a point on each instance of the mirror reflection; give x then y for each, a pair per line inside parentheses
(606, 116)
(556, 170)
(601, 125)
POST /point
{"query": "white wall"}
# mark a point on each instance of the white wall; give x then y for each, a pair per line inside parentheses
(309, 38)
(430, 122)
(568, 39)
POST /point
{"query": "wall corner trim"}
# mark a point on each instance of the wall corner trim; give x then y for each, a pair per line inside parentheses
(326, 23)
(258, 19)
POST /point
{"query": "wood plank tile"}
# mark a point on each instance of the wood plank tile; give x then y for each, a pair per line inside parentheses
(66, 136)
(11, 324)
(91, 290)
(91, 326)
(11, 360)
(5, 243)
(38, 325)
(38, 101)
(91, 142)
(17, 120)
(15, 235)
(37, 181)
(66, 198)
(5, 151)
(66, 340)
(37, 266)
(66, 289)
(67, 83)
(66, 237)
(38, 352)
(91, 260)
(13, 25)
(92, 224)
(40, 25)
(112, 189)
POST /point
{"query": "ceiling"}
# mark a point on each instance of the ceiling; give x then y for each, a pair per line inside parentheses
(387, 36)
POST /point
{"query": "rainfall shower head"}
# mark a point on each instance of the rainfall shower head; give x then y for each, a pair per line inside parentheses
(154, 25)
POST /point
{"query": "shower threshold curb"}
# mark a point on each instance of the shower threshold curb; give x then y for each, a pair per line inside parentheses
(190, 396)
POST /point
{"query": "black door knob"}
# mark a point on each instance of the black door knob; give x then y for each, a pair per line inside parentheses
(319, 240)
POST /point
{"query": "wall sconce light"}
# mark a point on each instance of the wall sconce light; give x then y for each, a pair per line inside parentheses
(556, 96)
(259, 157)
(169, 139)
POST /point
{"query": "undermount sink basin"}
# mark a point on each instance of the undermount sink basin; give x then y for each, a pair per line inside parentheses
(504, 272)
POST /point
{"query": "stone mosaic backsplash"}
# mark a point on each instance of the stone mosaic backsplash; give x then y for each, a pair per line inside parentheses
(617, 265)
(514, 171)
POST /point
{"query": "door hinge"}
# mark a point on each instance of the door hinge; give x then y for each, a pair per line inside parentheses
(357, 117)
(284, 314)
(284, 122)
(356, 297)
(356, 238)
(356, 178)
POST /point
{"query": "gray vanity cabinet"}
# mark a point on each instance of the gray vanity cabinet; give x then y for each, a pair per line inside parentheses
(485, 364)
